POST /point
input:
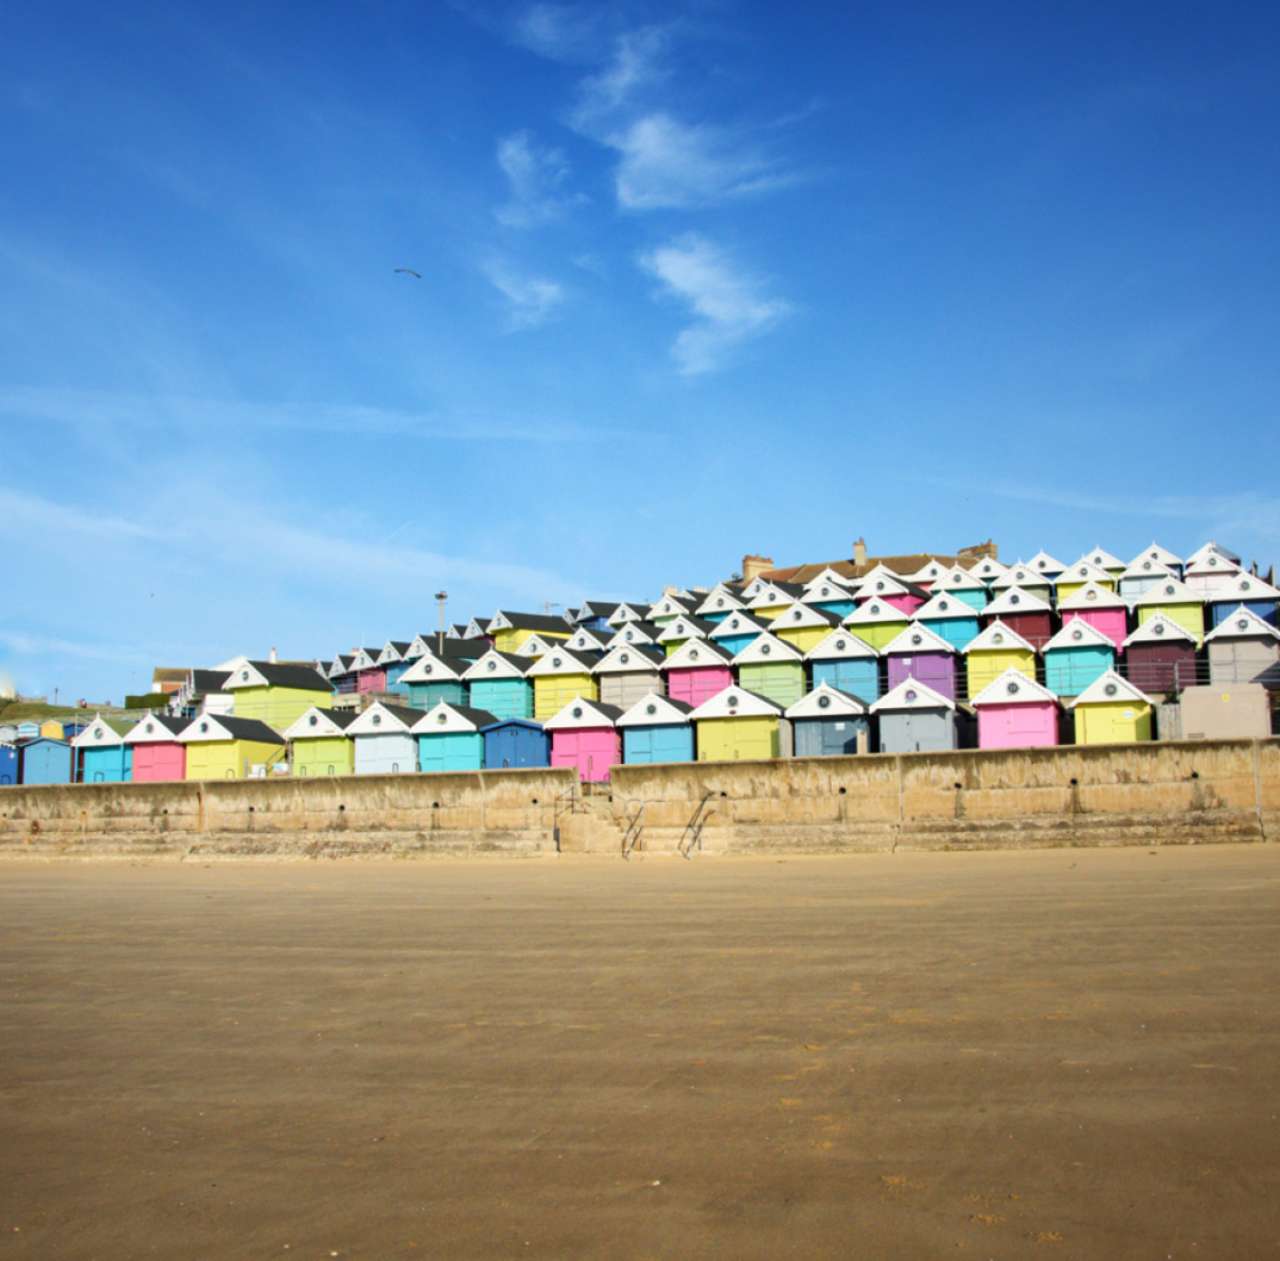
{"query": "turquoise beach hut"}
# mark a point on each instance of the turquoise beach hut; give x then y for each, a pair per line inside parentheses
(736, 631)
(103, 756)
(950, 618)
(656, 729)
(1077, 656)
(449, 737)
(433, 678)
(497, 683)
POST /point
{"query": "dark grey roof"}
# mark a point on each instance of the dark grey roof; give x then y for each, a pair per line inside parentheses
(793, 589)
(245, 728)
(611, 712)
(521, 663)
(683, 706)
(480, 717)
(598, 608)
(345, 662)
(170, 722)
(399, 647)
(339, 717)
(698, 623)
(472, 648)
(723, 654)
(535, 621)
(205, 681)
(600, 637)
(582, 659)
(753, 622)
(406, 713)
(305, 678)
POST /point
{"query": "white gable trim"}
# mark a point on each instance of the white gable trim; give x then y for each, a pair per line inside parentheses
(1243, 624)
(915, 639)
(737, 702)
(739, 622)
(1014, 688)
(1212, 562)
(801, 617)
(148, 731)
(957, 579)
(998, 637)
(873, 613)
(443, 719)
(826, 701)
(1015, 601)
(652, 710)
(535, 646)
(1157, 555)
(1243, 587)
(204, 729)
(1092, 596)
(378, 720)
(638, 637)
(304, 729)
(1158, 629)
(719, 600)
(390, 655)
(624, 613)
(431, 669)
(499, 621)
(931, 572)
(1108, 689)
(841, 645)
(97, 735)
(988, 570)
(1145, 567)
(767, 649)
(1044, 564)
(1211, 548)
(912, 694)
(636, 663)
(1081, 572)
(246, 675)
(493, 665)
(1019, 575)
(1170, 591)
(1077, 633)
(680, 628)
(697, 654)
(1102, 558)
(558, 662)
(578, 715)
(881, 582)
(944, 607)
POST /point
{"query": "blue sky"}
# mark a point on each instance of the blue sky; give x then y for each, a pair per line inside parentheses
(696, 280)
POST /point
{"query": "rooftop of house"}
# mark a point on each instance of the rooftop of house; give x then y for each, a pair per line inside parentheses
(861, 563)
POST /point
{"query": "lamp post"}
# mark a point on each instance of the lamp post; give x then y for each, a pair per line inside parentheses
(441, 597)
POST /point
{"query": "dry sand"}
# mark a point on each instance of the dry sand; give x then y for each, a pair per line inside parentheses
(1063, 1054)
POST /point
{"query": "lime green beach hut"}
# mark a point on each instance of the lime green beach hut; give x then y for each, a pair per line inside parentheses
(877, 622)
(1178, 602)
(319, 746)
(771, 667)
(276, 694)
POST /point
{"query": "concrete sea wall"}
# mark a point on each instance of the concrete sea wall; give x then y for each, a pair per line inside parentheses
(1181, 793)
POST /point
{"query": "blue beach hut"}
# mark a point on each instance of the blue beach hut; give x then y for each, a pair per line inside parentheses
(827, 723)
(103, 756)
(831, 593)
(657, 729)
(847, 663)
(1256, 594)
(497, 683)
(950, 618)
(736, 631)
(433, 678)
(449, 738)
(8, 765)
(720, 601)
(963, 586)
(45, 761)
(515, 742)
(394, 660)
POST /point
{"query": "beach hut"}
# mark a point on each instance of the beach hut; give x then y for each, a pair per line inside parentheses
(919, 653)
(9, 774)
(626, 674)
(320, 744)
(103, 755)
(846, 663)
(1020, 577)
(737, 725)
(720, 601)
(1101, 608)
(468, 648)
(953, 619)
(828, 722)
(1077, 655)
(1111, 710)
(585, 737)
(509, 629)
(771, 667)
(1015, 712)
(882, 584)
(876, 622)
(831, 593)
(1079, 576)
(1048, 567)
(992, 652)
(341, 675)
(589, 642)
(594, 615)
(51, 729)
(736, 631)
(656, 729)
(478, 628)
(696, 671)
(432, 679)
(628, 612)
(557, 679)
(681, 629)
(1206, 569)
(913, 718)
(671, 606)
(227, 746)
(928, 576)
(385, 741)
(393, 661)
(276, 694)
(1160, 656)
(987, 570)
(1244, 648)
(158, 754)
(28, 730)
(1160, 557)
(515, 742)
(536, 646)
(1102, 559)
(1178, 602)
(963, 586)
(72, 728)
(45, 760)
(449, 738)
(497, 682)
(1141, 575)
(1256, 594)
(370, 676)
(635, 634)
(773, 598)
(1027, 614)
(804, 626)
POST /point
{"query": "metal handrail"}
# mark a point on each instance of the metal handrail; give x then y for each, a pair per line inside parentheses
(692, 834)
(632, 834)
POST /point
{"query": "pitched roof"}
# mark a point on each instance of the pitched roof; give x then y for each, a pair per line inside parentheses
(1212, 561)
(1170, 591)
(1243, 624)
(1243, 587)
(278, 674)
(767, 648)
(841, 645)
(696, 654)
(99, 734)
(1077, 633)
(1012, 687)
(630, 659)
(825, 701)
(739, 622)
(1107, 689)
(1158, 629)
(737, 702)
(560, 661)
(318, 722)
(156, 728)
(581, 713)
(381, 718)
(916, 638)
(875, 613)
(942, 606)
(1045, 564)
(446, 719)
(1083, 571)
(686, 626)
(497, 665)
(1092, 596)
(803, 617)
(512, 620)
(1102, 558)
(1157, 555)
(205, 728)
(905, 564)
(998, 636)
(205, 681)
(1144, 567)
(653, 710)
(1019, 575)
(912, 694)
(720, 599)
(432, 668)
(1015, 601)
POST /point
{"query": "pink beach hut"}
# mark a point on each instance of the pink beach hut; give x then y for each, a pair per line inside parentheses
(1101, 608)
(698, 670)
(157, 755)
(370, 676)
(1015, 712)
(883, 584)
(585, 736)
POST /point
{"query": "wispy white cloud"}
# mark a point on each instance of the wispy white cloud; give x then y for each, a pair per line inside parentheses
(42, 514)
(559, 32)
(97, 410)
(531, 300)
(667, 164)
(636, 64)
(537, 176)
(727, 303)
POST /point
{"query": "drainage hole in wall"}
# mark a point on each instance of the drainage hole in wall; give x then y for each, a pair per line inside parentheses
(252, 809)
(165, 810)
(1195, 774)
(843, 791)
(435, 805)
(957, 786)
(535, 801)
(724, 794)
(341, 808)
(1075, 783)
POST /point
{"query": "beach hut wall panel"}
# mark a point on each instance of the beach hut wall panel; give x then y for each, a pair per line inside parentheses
(451, 751)
(374, 679)
(737, 726)
(804, 627)
(623, 690)
(1112, 711)
(737, 631)
(1160, 656)
(429, 695)
(276, 694)
(877, 623)
(584, 738)
(552, 692)
(1023, 613)
(515, 742)
(1208, 572)
(1079, 576)
(1076, 656)
(111, 765)
(697, 672)
(949, 618)
(395, 753)
(994, 651)
(830, 597)
(8, 765)
(229, 746)
(917, 653)
(1244, 649)
(1254, 593)
(431, 679)
(503, 698)
(1020, 577)
(509, 630)
(1140, 577)
(51, 729)
(46, 761)
(669, 742)
(28, 730)
(159, 761)
(1016, 713)
(962, 586)
(828, 723)
(781, 681)
(321, 756)
(1178, 602)
(1102, 609)
(913, 718)
(846, 662)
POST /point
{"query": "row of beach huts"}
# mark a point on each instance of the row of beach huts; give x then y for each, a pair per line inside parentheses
(987, 656)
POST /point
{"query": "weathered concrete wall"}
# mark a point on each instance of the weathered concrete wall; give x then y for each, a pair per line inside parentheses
(1166, 793)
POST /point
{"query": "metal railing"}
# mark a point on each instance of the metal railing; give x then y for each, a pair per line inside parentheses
(631, 836)
(691, 837)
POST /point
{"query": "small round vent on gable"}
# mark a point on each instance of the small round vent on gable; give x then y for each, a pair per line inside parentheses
(795, 616)
(824, 592)
(577, 711)
(997, 638)
(911, 695)
(1168, 589)
(1110, 689)
(1242, 623)
(1012, 688)
(151, 728)
(204, 726)
(943, 605)
(693, 654)
(917, 639)
(765, 649)
(841, 644)
(874, 608)
(824, 702)
(557, 662)
(376, 720)
(880, 585)
(1154, 555)
(313, 721)
(732, 702)
(1212, 561)
(491, 666)
(442, 718)
(244, 676)
(720, 603)
(1077, 634)
(1244, 584)
(624, 658)
(650, 709)
(97, 733)
(1158, 629)
(628, 637)
(1090, 595)
(1015, 598)
(1146, 564)
(428, 668)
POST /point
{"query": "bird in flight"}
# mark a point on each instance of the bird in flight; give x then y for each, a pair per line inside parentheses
(408, 271)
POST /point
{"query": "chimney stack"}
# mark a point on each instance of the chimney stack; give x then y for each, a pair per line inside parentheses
(272, 657)
(859, 551)
(754, 566)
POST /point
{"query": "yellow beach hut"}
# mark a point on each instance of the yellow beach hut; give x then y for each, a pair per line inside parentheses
(1112, 711)
(804, 626)
(319, 746)
(509, 629)
(276, 694)
(773, 598)
(1178, 602)
(1079, 575)
(558, 678)
(997, 649)
(878, 623)
(737, 725)
(222, 746)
